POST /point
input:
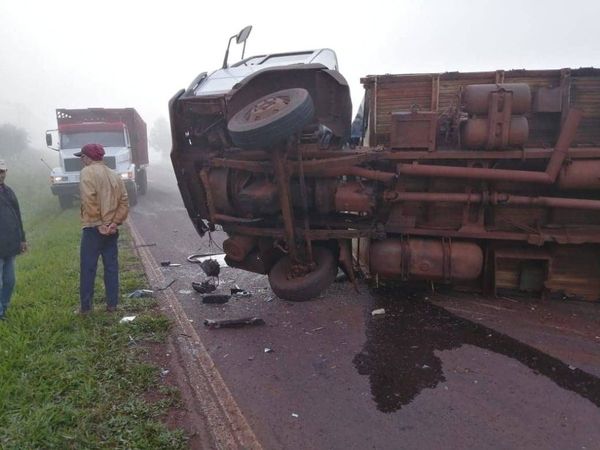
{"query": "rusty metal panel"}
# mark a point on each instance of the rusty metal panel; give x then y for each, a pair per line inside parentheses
(413, 129)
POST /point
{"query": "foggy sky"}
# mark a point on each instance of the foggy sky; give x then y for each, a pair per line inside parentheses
(134, 54)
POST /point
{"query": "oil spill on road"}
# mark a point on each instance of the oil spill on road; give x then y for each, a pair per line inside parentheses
(399, 357)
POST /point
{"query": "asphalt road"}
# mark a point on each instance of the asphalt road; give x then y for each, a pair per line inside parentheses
(438, 370)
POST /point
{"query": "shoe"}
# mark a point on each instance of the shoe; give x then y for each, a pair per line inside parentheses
(111, 309)
(80, 312)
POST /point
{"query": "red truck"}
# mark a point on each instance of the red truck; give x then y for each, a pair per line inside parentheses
(123, 134)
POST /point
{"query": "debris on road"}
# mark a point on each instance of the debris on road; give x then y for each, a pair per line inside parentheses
(378, 312)
(169, 264)
(127, 319)
(233, 323)
(268, 350)
(210, 267)
(240, 292)
(140, 293)
(200, 258)
(167, 286)
(185, 291)
(216, 299)
(205, 287)
(294, 415)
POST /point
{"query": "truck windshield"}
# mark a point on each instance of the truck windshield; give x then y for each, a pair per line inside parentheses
(106, 138)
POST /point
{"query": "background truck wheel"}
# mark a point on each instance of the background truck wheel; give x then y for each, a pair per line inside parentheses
(272, 118)
(132, 193)
(142, 181)
(306, 287)
(66, 201)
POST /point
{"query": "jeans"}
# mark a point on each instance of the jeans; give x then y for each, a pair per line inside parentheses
(93, 245)
(7, 282)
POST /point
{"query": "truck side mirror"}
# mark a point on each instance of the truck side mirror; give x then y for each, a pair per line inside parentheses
(243, 35)
(52, 140)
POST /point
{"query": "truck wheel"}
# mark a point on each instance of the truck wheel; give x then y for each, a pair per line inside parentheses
(142, 181)
(132, 193)
(66, 201)
(310, 285)
(271, 119)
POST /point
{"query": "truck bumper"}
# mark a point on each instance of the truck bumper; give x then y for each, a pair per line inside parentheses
(65, 189)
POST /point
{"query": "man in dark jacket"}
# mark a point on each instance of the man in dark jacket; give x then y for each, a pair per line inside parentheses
(12, 239)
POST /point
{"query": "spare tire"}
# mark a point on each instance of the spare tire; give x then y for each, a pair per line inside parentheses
(308, 286)
(271, 119)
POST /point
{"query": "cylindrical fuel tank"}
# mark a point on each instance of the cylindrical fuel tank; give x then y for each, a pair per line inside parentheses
(580, 174)
(475, 132)
(426, 259)
(237, 246)
(476, 97)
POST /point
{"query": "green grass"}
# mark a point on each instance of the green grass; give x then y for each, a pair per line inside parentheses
(68, 381)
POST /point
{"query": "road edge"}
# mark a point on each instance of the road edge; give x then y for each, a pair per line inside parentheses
(226, 423)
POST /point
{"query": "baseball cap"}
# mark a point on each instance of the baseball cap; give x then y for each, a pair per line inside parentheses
(93, 151)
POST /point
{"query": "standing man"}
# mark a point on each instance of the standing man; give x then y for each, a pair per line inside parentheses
(104, 206)
(12, 239)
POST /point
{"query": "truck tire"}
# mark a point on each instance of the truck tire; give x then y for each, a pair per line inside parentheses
(65, 201)
(310, 285)
(132, 193)
(271, 119)
(142, 181)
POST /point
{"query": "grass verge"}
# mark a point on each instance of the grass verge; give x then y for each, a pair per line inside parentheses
(69, 381)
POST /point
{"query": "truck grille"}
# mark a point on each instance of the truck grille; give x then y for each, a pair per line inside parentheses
(74, 164)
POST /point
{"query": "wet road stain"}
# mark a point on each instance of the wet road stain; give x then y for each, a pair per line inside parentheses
(399, 358)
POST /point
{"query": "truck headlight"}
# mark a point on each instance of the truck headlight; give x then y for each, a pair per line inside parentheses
(58, 179)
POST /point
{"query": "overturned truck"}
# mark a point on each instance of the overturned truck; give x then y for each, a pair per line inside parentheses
(487, 181)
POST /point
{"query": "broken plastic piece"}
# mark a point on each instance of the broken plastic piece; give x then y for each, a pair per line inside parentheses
(204, 288)
(140, 293)
(378, 312)
(268, 350)
(127, 319)
(216, 299)
(233, 323)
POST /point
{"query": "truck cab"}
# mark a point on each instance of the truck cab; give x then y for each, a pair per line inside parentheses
(121, 132)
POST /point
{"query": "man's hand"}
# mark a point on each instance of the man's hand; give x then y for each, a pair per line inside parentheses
(104, 230)
(23, 247)
(112, 228)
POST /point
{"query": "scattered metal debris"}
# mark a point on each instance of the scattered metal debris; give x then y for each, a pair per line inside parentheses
(140, 293)
(210, 267)
(167, 286)
(199, 258)
(165, 263)
(268, 350)
(216, 299)
(240, 292)
(204, 288)
(233, 323)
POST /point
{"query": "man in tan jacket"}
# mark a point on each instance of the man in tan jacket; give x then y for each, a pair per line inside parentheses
(104, 206)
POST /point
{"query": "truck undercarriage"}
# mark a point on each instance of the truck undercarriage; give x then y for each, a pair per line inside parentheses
(487, 181)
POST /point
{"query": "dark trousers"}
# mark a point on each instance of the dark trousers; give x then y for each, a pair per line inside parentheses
(93, 245)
